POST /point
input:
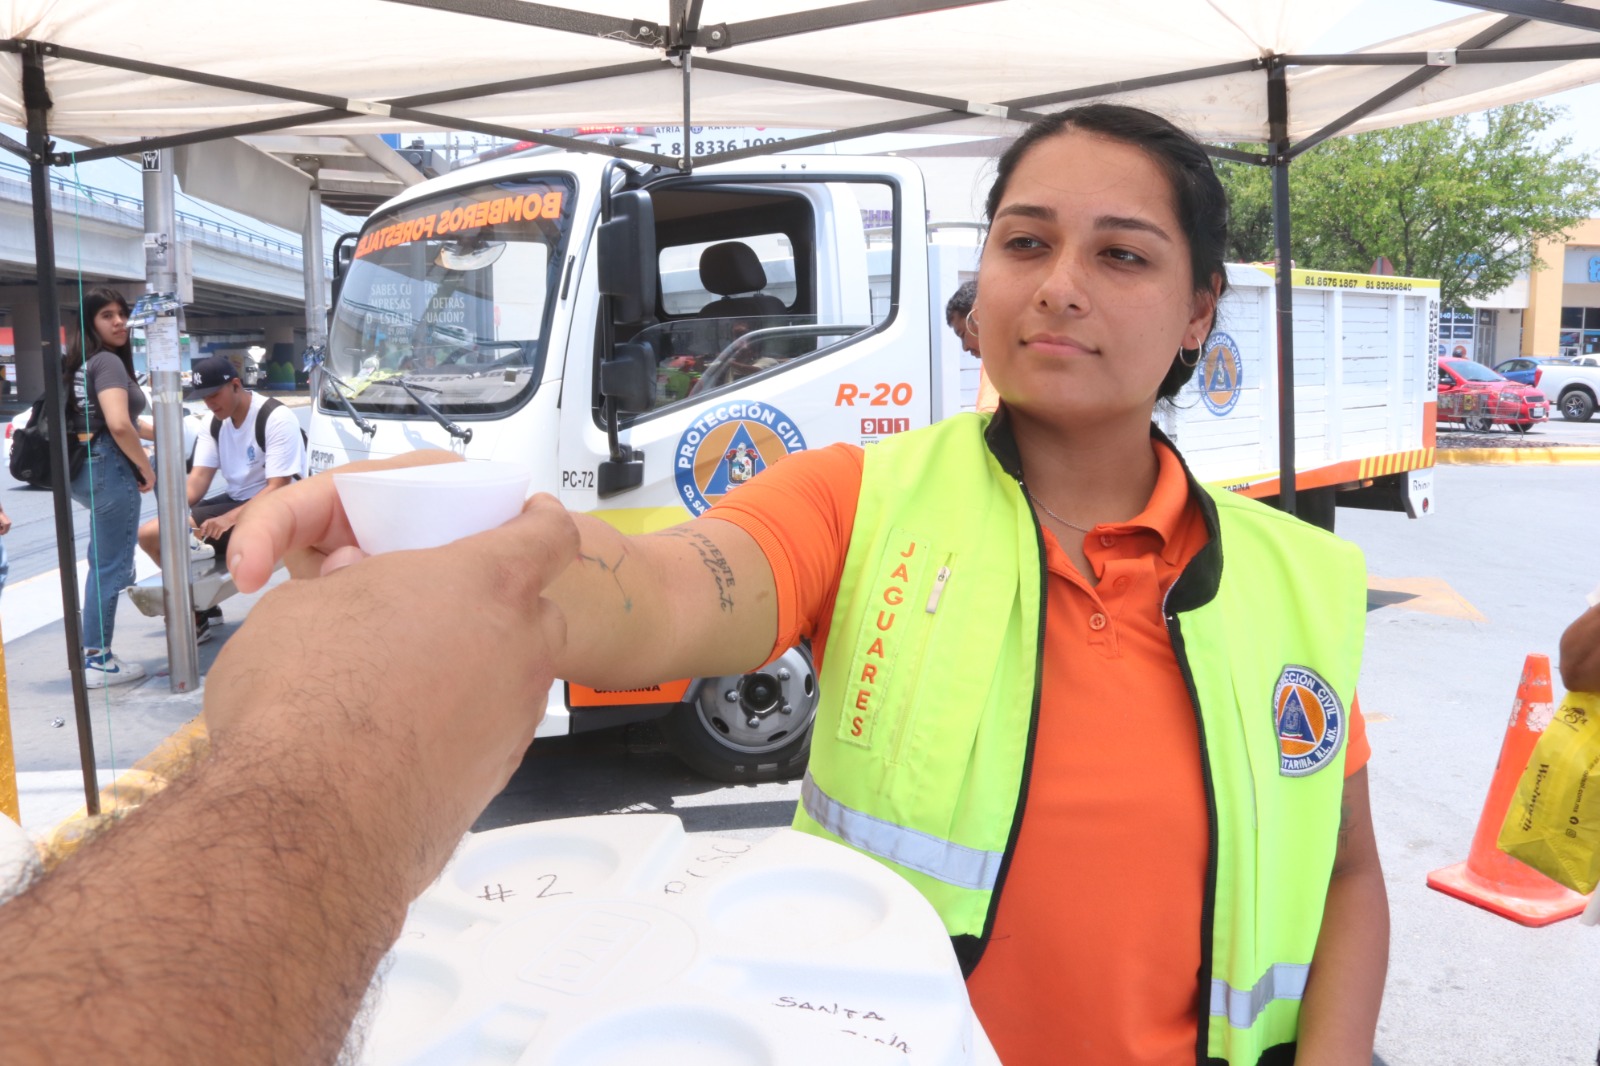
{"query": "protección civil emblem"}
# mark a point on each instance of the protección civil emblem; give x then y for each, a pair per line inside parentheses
(1309, 719)
(1220, 373)
(727, 445)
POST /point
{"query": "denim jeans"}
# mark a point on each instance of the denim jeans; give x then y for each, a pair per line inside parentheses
(113, 534)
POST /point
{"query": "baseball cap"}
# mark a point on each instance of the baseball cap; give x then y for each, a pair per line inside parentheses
(208, 376)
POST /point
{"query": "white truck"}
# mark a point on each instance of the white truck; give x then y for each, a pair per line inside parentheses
(646, 341)
(1573, 390)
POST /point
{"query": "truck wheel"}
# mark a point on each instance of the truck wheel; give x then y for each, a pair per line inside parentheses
(1576, 405)
(756, 727)
(1478, 422)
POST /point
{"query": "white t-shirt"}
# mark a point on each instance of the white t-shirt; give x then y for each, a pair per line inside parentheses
(241, 462)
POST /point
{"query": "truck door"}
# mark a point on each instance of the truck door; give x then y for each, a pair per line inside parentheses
(791, 314)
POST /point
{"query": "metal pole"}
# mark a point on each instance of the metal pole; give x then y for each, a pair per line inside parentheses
(1278, 131)
(36, 99)
(166, 386)
(311, 260)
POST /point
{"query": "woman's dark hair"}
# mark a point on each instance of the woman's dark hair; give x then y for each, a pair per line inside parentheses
(1197, 195)
(87, 343)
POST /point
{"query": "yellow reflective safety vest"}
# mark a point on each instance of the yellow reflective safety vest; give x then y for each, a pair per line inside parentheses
(923, 741)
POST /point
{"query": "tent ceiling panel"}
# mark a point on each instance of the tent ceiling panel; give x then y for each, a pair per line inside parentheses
(985, 53)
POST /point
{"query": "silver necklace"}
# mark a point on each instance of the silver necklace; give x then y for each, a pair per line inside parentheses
(1052, 514)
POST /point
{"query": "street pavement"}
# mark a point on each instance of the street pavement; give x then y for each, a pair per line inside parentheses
(1457, 600)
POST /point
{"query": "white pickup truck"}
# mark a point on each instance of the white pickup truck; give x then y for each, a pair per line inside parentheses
(1572, 390)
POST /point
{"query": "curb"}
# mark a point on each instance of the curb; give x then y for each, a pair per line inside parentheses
(186, 746)
(1515, 456)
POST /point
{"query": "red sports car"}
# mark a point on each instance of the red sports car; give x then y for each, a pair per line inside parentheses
(1473, 394)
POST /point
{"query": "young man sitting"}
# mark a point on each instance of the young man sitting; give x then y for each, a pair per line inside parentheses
(257, 444)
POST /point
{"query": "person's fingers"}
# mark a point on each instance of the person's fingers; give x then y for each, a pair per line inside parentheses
(305, 515)
(338, 559)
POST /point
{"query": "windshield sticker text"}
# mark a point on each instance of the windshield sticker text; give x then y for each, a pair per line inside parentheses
(533, 205)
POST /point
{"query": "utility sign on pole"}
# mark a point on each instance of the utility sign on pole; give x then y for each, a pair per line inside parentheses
(152, 161)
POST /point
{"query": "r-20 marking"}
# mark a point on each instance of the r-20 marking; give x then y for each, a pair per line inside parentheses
(882, 394)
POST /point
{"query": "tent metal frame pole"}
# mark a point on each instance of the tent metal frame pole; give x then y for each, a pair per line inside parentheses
(549, 17)
(834, 17)
(1581, 18)
(497, 88)
(36, 100)
(1278, 131)
(1478, 42)
(14, 147)
(962, 108)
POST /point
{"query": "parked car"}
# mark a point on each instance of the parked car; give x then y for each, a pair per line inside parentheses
(1477, 397)
(1524, 368)
(1575, 388)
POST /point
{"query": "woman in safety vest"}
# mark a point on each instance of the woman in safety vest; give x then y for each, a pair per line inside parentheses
(1101, 716)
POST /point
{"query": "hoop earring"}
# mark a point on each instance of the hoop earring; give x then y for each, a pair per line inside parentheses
(972, 324)
(1190, 363)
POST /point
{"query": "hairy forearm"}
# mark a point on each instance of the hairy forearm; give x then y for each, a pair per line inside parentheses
(239, 900)
(646, 609)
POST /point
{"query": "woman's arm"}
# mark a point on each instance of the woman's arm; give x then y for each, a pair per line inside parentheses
(1339, 1015)
(696, 600)
(114, 409)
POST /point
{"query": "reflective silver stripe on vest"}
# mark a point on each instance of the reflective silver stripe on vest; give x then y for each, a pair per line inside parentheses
(942, 860)
(1284, 980)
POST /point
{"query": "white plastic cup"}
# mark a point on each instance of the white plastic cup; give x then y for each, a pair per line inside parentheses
(427, 506)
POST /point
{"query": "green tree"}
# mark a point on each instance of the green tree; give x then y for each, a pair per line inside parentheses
(1465, 200)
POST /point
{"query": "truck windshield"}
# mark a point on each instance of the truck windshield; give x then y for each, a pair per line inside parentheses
(452, 296)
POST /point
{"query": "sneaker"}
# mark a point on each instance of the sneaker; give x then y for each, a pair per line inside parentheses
(203, 621)
(199, 550)
(102, 668)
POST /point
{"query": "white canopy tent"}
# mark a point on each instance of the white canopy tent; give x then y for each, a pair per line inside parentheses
(131, 75)
(157, 68)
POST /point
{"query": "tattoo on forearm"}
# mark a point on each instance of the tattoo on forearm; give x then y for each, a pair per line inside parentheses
(712, 558)
(1344, 829)
(612, 568)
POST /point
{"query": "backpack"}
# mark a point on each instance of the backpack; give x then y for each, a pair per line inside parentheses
(30, 448)
(262, 413)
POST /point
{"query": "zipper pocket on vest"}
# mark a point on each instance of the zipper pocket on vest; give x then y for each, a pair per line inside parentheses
(912, 663)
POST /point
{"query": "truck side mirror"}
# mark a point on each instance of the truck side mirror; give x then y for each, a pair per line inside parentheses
(344, 251)
(627, 384)
(628, 378)
(627, 249)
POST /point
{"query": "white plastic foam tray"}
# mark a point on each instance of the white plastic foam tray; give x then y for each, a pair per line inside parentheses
(621, 941)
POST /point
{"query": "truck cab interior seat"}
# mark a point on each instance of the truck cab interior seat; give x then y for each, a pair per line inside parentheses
(732, 271)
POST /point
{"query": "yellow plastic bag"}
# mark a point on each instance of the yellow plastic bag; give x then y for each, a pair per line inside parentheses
(1553, 823)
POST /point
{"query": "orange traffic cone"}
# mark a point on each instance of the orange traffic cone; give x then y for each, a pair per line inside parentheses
(1491, 878)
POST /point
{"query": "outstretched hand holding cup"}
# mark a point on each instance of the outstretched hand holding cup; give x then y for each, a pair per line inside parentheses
(344, 670)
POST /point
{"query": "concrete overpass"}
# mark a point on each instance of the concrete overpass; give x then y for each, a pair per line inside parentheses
(246, 285)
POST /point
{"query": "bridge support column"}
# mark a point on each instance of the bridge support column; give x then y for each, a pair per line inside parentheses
(26, 342)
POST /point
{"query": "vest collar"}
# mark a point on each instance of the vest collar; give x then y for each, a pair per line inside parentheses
(1198, 583)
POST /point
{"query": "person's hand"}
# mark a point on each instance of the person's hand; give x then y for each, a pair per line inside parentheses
(1580, 653)
(145, 475)
(304, 525)
(212, 528)
(401, 690)
(5, 523)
